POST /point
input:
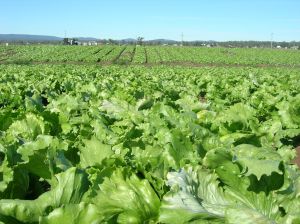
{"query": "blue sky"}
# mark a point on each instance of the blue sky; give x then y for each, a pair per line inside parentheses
(196, 19)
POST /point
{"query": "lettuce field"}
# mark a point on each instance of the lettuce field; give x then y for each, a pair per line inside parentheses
(125, 134)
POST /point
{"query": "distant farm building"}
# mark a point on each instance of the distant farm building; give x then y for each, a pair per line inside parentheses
(70, 41)
(73, 41)
(89, 43)
(92, 43)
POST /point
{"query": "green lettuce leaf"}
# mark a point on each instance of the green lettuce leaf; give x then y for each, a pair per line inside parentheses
(124, 198)
(193, 196)
(258, 161)
(93, 152)
(68, 188)
(73, 213)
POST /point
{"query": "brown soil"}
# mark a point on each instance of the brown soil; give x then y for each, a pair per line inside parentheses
(146, 55)
(159, 56)
(172, 64)
(202, 99)
(119, 55)
(297, 159)
(132, 54)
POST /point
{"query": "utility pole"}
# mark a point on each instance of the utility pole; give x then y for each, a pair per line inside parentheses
(182, 39)
(272, 35)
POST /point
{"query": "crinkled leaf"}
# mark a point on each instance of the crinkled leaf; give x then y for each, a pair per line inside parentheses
(69, 189)
(193, 196)
(142, 204)
(73, 213)
(94, 152)
(258, 161)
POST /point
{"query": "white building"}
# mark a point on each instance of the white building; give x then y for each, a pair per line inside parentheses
(92, 43)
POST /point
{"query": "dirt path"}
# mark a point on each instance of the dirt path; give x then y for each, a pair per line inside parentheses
(159, 56)
(132, 54)
(146, 55)
(119, 55)
(147, 64)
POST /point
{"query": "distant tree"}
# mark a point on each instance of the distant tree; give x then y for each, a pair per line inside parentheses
(66, 41)
(111, 41)
(140, 40)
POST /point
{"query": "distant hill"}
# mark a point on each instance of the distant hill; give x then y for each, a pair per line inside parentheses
(26, 37)
(155, 41)
(129, 40)
(86, 38)
(37, 38)
(47, 39)
(163, 41)
(43, 38)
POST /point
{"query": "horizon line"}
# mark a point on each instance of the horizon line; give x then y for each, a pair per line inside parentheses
(116, 39)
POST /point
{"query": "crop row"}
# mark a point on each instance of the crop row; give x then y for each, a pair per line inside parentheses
(136, 144)
(153, 54)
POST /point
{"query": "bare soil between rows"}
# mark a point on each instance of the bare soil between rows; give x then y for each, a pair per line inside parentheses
(297, 159)
(171, 64)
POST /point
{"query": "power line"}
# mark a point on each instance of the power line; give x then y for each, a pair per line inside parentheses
(272, 35)
(182, 39)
